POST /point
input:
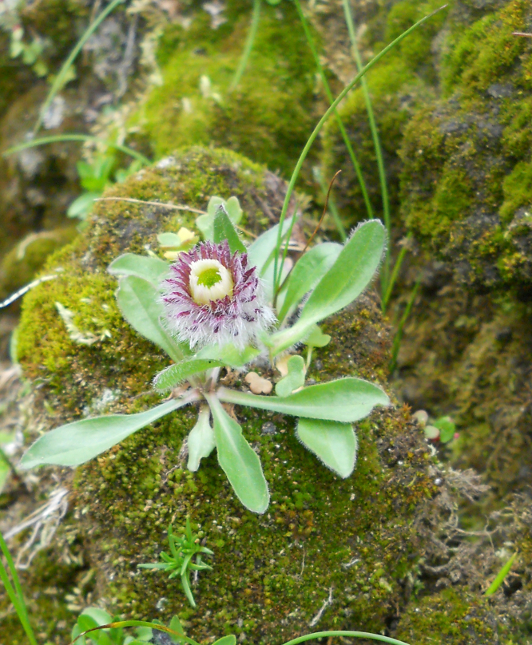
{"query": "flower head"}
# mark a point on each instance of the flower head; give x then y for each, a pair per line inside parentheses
(213, 296)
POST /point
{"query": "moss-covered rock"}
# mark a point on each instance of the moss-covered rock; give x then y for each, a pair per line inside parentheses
(455, 616)
(355, 539)
(466, 179)
(469, 356)
(271, 112)
(21, 264)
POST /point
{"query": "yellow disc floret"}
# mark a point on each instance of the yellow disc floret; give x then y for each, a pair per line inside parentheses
(209, 280)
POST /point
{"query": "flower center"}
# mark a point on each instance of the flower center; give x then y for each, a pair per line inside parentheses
(209, 280)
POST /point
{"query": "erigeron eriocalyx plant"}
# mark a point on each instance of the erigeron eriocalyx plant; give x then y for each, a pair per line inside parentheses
(221, 305)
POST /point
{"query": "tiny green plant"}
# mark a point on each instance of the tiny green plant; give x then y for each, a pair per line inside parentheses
(185, 556)
(501, 576)
(95, 177)
(211, 312)
(222, 305)
(14, 590)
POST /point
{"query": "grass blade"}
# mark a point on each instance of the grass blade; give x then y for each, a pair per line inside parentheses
(330, 97)
(374, 136)
(63, 72)
(325, 118)
(60, 138)
(15, 594)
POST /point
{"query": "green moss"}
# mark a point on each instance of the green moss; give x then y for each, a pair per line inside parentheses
(517, 188)
(466, 178)
(455, 615)
(395, 92)
(267, 117)
(272, 573)
(21, 264)
(487, 52)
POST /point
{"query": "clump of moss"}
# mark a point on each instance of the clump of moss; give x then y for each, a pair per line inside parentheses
(355, 538)
(21, 264)
(267, 117)
(466, 158)
(456, 616)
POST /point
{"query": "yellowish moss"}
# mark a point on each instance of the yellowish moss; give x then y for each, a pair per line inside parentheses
(267, 117)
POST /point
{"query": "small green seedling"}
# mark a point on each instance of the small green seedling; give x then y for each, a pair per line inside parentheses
(500, 577)
(185, 556)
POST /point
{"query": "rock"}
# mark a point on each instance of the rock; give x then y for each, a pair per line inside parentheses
(357, 539)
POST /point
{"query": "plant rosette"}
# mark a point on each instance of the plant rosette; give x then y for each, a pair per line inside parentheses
(222, 305)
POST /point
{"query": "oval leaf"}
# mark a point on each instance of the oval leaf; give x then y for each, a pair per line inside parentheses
(147, 267)
(139, 303)
(238, 460)
(335, 444)
(344, 282)
(353, 270)
(75, 443)
(295, 377)
(306, 274)
(201, 440)
(345, 400)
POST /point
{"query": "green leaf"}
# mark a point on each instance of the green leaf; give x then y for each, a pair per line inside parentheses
(447, 428)
(139, 303)
(317, 338)
(175, 374)
(169, 240)
(232, 205)
(175, 625)
(261, 252)
(306, 274)
(295, 377)
(224, 230)
(75, 443)
(228, 354)
(345, 400)
(201, 441)
(344, 282)
(82, 206)
(99, 616)
(335, 444)
(205, 223)
(146, 267)
(238, 460)
(226, 640)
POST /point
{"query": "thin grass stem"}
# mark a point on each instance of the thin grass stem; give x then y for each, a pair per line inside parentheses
(345, 634)
(330, 97)
(322, 122)
(63, 72)
(400, 328)
(248, 47)
(393, 278)
(14, 591)
(59, 138)
(375, 136)
(334, 210)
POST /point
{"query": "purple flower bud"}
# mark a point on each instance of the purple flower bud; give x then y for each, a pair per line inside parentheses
(214, 297)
